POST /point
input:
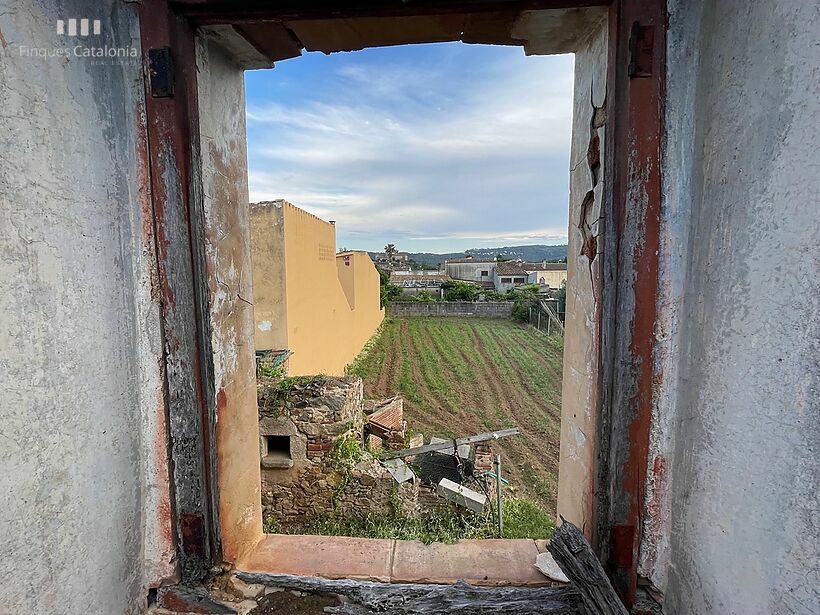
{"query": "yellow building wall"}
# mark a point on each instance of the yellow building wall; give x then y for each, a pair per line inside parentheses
(361, 284)
(268, 263)
(327, 311)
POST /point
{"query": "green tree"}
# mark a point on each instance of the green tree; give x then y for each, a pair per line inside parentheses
(525, 297)
(562, 300)
(460, 291)
(390, 251)
(387, 291)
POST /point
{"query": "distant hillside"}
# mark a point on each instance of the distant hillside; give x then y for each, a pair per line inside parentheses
(531, 253)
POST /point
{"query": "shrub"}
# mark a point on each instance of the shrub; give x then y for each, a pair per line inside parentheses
(524, 297)
(390, 292)
(347, 452)
(460, 291)
(424, 296)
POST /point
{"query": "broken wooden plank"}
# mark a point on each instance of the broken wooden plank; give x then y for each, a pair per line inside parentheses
(571, 550)
(440, 446)
(368, 598)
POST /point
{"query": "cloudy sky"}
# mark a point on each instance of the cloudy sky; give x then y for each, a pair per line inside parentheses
(434, 148)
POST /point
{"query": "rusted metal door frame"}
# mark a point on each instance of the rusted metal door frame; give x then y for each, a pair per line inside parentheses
(169, 69)
(636, 81)
(636, 71)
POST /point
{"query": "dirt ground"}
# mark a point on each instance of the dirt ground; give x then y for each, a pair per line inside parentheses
(461, 376)
(287, 603)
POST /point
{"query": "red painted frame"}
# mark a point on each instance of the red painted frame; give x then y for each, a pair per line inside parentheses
(637, 73)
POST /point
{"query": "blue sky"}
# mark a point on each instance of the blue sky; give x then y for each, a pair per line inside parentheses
(435, 148)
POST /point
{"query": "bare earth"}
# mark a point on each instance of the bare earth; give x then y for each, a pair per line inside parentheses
(462, 376)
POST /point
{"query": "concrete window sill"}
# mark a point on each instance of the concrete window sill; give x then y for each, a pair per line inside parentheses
(277, 462)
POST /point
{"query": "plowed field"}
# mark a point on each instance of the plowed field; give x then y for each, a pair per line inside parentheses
(462, 376)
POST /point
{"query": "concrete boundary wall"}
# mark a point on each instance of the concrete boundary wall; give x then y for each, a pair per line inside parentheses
(480, 309)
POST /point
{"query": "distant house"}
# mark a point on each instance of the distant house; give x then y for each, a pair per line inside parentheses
(398, 257)
(471, 269)
(509, 274)
(411, 282)
(545, 274)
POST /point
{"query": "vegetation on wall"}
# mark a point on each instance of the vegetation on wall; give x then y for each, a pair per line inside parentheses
(273, 395)
(460, 291)
(347, 452)
(424, 296)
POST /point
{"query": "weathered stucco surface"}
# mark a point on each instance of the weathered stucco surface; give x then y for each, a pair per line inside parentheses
(85, 516)
(579, 400)
(736, 432)
(321, 306)
(228, 262)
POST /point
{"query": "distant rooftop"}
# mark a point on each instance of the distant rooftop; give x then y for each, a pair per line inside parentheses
(544, 266)
(509, 268)
(470, 259)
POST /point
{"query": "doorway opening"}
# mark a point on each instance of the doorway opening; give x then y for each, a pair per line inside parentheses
(605, 364)
(453, 158)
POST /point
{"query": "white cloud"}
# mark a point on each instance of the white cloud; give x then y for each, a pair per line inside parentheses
(424, 157)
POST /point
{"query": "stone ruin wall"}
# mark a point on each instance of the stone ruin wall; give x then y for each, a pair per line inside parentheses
(314, 418)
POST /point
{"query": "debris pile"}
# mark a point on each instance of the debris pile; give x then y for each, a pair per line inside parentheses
(325, 451)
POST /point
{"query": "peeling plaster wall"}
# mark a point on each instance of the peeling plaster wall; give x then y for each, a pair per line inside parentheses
(734, 513)
(582, 336)
(224, 169)
(85, 514)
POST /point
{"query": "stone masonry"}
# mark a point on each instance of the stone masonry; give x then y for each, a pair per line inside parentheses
(313, 462)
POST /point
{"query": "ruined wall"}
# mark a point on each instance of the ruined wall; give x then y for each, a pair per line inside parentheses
(323, 328)
(223, 159)
(733, 472)
(579, 397)
(318, 417)
(84, 480)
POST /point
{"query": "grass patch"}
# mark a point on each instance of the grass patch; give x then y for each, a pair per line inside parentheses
(374, 351)
(522, 519)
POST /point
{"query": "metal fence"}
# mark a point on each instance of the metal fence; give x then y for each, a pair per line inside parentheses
(546, 318)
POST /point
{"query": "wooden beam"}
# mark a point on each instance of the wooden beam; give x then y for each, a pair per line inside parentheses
(576, 559)
(440, 446)
(230, 11)
(367, 598)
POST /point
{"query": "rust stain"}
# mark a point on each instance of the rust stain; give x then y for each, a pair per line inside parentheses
(192, 527)
(637, 191)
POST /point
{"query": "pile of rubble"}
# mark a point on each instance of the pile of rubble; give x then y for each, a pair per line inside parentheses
(325, 450)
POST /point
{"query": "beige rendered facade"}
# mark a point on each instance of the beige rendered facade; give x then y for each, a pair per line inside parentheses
(320, 305)
(550, 277)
